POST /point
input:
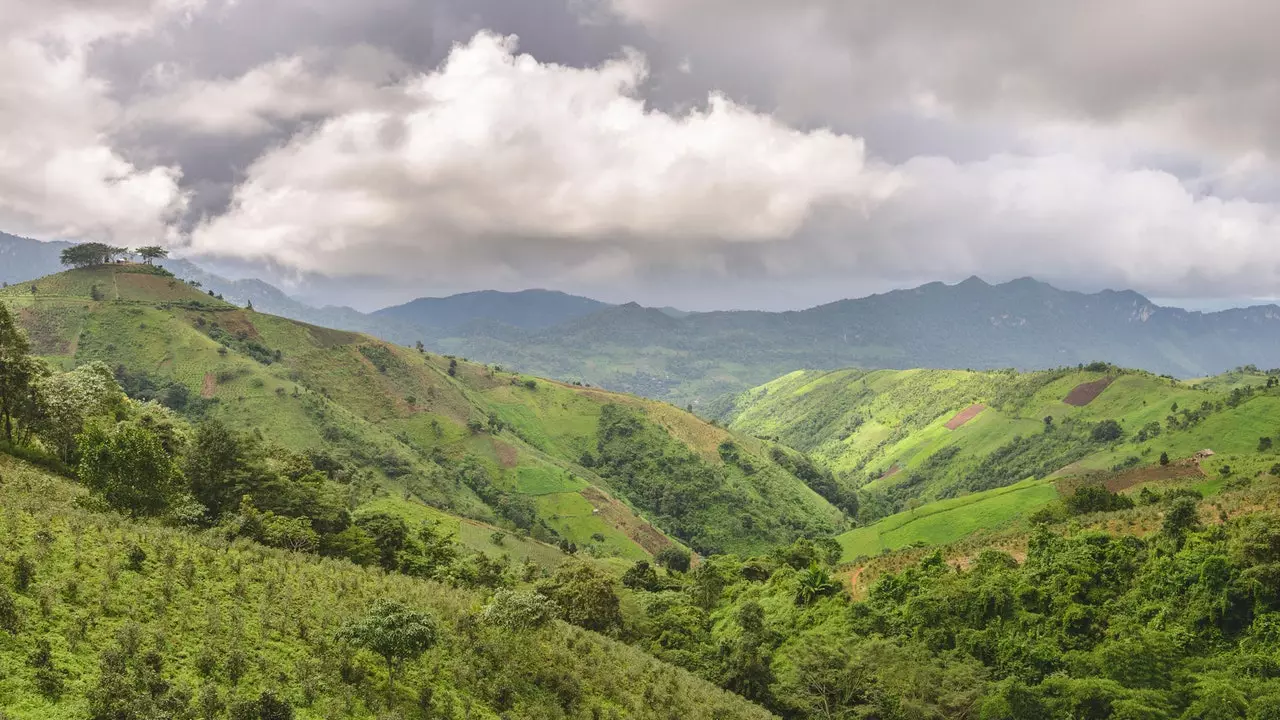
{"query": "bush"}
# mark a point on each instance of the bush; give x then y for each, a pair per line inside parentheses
(1096, 498)
(519, 610)
(1107, 431)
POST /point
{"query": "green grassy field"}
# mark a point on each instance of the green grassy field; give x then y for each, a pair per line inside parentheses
(946, 521)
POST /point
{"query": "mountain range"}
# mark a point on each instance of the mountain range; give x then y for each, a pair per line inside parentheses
(694, 357)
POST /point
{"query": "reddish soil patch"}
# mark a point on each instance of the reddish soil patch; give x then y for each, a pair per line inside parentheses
(893, 470)
(238, 325)
(621, 517)
(965, 416)
(1117, 482)
(209, 387)
(507, 455)
(1084, 393)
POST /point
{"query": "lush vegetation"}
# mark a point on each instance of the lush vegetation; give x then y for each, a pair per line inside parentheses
(224, 514)
(106, 618)
(897, 440)
(416, 435)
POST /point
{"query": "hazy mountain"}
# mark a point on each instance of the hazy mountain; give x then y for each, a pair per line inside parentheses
(22, 258)
(1024, 324)
(527, 309)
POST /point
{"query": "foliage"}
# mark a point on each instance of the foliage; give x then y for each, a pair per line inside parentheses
(129, 466)
(519, 610)
(1096, 498)
(86, 254)
(586, 596)
(395, 632)
(220, 629)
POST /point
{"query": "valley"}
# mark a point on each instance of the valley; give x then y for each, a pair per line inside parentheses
(802, 531)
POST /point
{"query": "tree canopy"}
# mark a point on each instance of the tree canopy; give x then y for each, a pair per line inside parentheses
(148, 253)
(89, 254)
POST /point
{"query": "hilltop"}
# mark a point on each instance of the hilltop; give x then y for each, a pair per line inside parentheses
(437, 436)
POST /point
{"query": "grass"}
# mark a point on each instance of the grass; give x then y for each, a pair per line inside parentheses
(948, 520)
(196, 607)
(373, 404)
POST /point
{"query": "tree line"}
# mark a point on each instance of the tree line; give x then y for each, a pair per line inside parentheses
(96, 253)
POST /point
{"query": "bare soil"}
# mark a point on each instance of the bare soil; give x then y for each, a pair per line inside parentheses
(965, 416)
(1084, 393)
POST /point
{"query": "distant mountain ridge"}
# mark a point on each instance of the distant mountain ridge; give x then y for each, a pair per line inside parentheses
(1024, 324)
(697, 356)
(525, 309)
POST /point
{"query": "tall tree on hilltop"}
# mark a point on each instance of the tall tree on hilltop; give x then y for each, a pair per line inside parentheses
(90, 254)
(149, 253)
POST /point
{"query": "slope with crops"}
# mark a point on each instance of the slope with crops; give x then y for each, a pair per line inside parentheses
(104, 617)
(901, 440)
(425, 435)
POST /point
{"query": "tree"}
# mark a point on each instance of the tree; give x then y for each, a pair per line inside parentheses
(519, 610)
(129, 467)
(1181, 518)
(1096, 498)
(89, 254)
(69, 400)
(1164, 458)
(640, 576)
(148, 253)
(10, 620)
(586, 596)
(389, 533)
(813, 583)
(674, 559)
(1264, 444)
(1106, 431)
(18, 373)
(394, 631)
(419, 346)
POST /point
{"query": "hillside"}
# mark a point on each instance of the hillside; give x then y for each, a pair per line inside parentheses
(430, 433)
(106, 618)
(904, 439)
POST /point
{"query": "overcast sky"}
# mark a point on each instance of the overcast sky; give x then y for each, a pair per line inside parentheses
(698, 153)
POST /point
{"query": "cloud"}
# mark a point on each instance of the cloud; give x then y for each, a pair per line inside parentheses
(498, 159)
(59, 174)
(1198, 73)
(268, 97)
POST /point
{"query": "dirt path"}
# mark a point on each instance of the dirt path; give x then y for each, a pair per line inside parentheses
(209, 387)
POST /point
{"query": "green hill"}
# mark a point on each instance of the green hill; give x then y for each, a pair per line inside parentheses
(903, 439)
(432, 434)
(111, 619)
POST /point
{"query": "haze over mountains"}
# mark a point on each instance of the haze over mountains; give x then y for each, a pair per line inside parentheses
(697, 356)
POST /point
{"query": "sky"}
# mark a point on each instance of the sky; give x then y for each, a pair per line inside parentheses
(698, 153)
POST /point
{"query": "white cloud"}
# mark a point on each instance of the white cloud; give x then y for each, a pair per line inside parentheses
(59, 175)
(499, 158)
